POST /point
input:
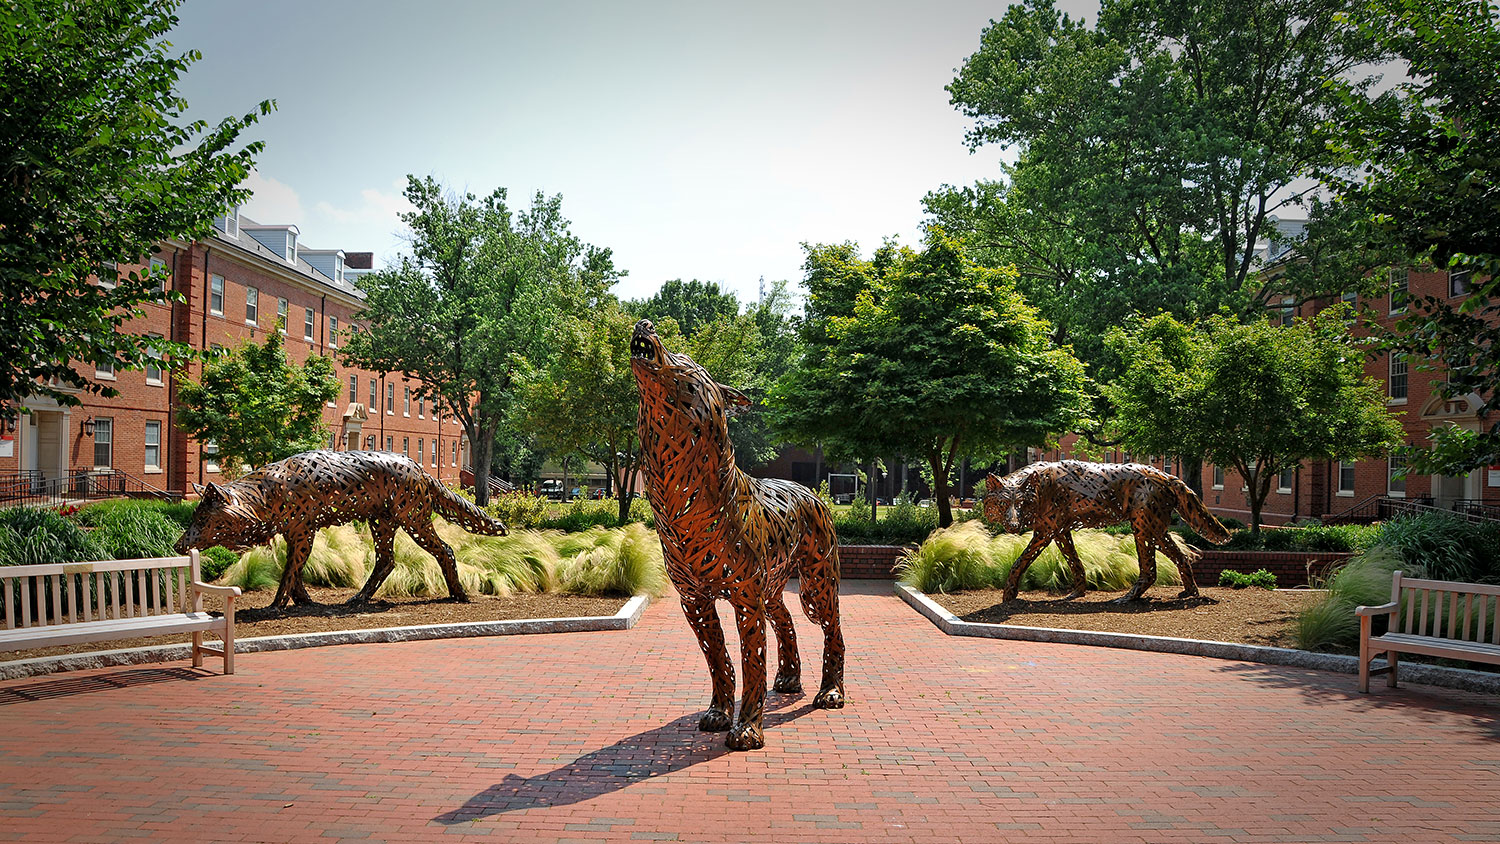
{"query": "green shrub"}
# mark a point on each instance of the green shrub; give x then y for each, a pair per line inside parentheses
(1443, 546)
(131, 533)
(1308, 538)
(967, 556)
(623, 561)
(213, 562)
(100, 512)
(582, 514)
(1363, 581)
(36, 536)
(1240, 580)
(518, 510)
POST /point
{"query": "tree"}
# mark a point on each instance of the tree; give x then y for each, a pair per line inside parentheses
(475, 301)
(585, 400)
(1421, 163)
(1252, 397)
(1154, 146)
(97, 167)
(925, 354)
(692, 304)
(256, 406)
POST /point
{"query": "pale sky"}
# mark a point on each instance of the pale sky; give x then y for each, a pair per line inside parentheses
(697, 140)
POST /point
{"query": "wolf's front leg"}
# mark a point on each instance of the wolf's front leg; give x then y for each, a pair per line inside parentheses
(748, 733)
(298, 546)
(704, 620)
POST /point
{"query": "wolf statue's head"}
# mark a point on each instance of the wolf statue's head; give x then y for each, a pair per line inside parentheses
(225, 516)
(684, 411)
(1004, 499)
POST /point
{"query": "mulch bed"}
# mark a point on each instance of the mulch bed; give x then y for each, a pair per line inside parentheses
(1247, 616)
(330, 613)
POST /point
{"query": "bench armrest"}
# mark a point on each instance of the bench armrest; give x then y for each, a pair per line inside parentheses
(227, 591)
(1383, 609)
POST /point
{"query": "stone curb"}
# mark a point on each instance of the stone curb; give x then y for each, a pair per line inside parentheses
(1431, 675)
(625, 619)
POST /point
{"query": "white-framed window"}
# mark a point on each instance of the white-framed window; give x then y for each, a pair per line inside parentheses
(1285, 480)
(419, 451)
(153, 447)
(104, 443)
(406, 446)
(159, 272)
(353, 388)
(210, 456)
(309, 321)
(390, 444)
(230, 222)
(1400, 289)
(434, 454)
(406, 401)
(374, 397)
(1350, 297)
(1166, 465)
(216, 294)
(333, 332)
(1346, 478)
(281, 309)
(291, 247)
(1395, 476)
(109, 274)
(1398, 378)
(1287, 310)
(252, 305)
(390, 398)
(1218, 477)
(105, 370)
(370, 443)
(153, 365)
(421, 408)
(454, 460)
(1458, 283)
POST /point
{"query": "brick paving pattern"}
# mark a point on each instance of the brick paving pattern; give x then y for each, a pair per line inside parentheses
(591, 737)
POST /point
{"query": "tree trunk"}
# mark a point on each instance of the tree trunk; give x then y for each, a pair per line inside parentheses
(620, 472)
(1192, 473)
(481, 453)
(940, 489)
(870, 488)
(1256, 497)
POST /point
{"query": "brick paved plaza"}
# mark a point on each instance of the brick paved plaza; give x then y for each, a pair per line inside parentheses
(591, 737)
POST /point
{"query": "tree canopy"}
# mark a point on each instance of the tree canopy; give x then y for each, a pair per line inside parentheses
(256, 406)
(1252, 397)
(98, 165)
(924, 354)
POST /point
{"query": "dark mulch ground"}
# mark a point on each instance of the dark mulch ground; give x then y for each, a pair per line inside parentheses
(1249, 616)
(331, 613)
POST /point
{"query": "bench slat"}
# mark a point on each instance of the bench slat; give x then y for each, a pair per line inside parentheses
(72, 634)
(8, 583)
(1429, 646)
(102, 565)
(1476, 588)
(56, 599)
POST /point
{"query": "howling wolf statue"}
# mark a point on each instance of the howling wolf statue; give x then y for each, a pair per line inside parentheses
(1051, 499)
(727, 535)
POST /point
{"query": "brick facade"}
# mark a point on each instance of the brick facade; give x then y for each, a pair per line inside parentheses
(218, 316)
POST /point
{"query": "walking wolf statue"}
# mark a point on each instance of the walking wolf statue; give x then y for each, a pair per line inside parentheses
(727, 535)
(1053, 498)
(315, 489)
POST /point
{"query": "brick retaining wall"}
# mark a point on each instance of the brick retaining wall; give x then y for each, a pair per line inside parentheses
(878, 562)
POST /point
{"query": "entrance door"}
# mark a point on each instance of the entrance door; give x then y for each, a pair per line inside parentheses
(49, 443)
(351, 441)
(1448, 491)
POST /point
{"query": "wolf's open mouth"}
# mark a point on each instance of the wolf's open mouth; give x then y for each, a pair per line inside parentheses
(640, 347)
(643, 342)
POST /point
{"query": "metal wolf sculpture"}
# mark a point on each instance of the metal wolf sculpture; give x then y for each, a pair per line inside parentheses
(1053, 498)
(727, 535)
(296, 496)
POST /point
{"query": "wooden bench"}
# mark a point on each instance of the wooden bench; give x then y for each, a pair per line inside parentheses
(1434, 618)
(69, 603)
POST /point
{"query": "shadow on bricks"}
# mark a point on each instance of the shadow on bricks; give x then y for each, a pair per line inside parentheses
(665, 750)
(69, 686)
(1319, 688)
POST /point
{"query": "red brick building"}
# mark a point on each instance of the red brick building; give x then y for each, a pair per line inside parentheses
(1412, 388)
(237, 285)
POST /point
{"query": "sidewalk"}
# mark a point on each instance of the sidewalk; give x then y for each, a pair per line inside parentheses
(591, 737)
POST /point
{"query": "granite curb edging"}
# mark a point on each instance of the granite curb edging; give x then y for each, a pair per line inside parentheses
(625, 619)
(1431, 675)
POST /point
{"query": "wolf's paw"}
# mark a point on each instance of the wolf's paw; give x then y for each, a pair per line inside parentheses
(714, 721)
(1128, 599)
(1188, 593)
(787, 683)
(829, 699)
(745, 737)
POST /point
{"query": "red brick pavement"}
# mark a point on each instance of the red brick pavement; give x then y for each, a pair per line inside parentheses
(591, 737)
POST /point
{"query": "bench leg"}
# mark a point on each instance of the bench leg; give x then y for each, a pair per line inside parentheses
(198, 649)
(229, 636)
(1391, 659)
(1364, 654)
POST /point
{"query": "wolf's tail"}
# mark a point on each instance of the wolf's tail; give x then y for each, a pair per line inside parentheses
(463, 513)
(1196, 515)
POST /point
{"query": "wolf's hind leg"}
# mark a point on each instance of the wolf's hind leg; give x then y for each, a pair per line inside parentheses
(1075, 566)
(788, 661)
(819, 591)
(425, 535)
(1184, 567)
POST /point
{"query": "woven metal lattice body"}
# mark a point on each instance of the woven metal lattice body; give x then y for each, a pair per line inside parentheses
(1050, 499)
(727, 535)
(297, 496)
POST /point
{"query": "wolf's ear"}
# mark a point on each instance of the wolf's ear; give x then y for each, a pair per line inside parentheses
(211, 492)
(198, 488)
(734, 400)
(993, 481)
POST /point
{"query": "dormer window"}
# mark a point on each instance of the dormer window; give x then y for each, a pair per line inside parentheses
(338, 269)
(291, 247)
(229, 222)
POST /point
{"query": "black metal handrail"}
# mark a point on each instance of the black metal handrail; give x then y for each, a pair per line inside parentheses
(1380, 508)
(31, 489)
